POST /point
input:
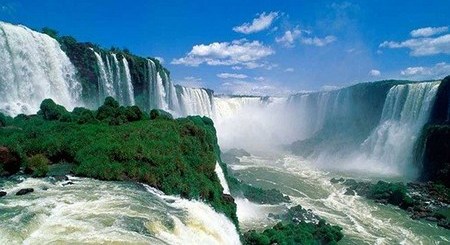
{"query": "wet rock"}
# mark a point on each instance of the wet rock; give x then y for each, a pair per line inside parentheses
(228, 198)
(24, 191)
(61, 178)
(9, 162)
(349, 192)
(67, 183)
(334, 180)
(444, 224)
(2, 193)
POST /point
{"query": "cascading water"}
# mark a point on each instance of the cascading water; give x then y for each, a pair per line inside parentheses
(129, 86)
(221, 176)
(405, 112)
(195, 101)
(114, 79)
(33, 68)
(106, 82)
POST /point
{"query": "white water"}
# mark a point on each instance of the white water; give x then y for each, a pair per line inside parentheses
(33, 67)
(364, 221)
(221, 176)
(129, 86)
(98, 212)
(406, 110)
(195, 101)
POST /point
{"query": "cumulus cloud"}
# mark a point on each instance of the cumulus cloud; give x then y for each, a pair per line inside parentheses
(319, 42)
(422, 43)
(231, 75)
(437, 71)
(191, 81)
(236, 53)
(262, 22)
(428, 31)
(290, 69)
(289, 38)
(374, 73)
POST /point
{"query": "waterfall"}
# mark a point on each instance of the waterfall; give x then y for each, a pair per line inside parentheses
(405, 112)
(33, 68)
(195, 101)
(221, 176)
(114, 79)
(129, 86)
(106, 83)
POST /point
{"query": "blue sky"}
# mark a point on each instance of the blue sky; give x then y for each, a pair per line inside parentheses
(260, 47)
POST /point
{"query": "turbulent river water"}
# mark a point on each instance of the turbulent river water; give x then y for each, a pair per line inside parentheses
(364, 221)
(98, 212)
(92, 211)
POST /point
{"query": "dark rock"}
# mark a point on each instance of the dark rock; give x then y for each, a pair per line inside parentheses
(444, 224)
(61, 178)
(2, 193)
(334, 180)
(9, 162)
(228, 198)
(430, 218)
(349, 192)
(67, 183)
(24, 191)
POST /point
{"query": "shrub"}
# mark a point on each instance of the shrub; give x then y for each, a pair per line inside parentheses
(51, 111)
(37, 165)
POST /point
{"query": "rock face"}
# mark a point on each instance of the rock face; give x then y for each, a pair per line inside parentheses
(436, 154)
(9, 162)
(2, 193)
(24, 191)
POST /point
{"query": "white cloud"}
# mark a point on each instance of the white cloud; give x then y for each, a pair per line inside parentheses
(374, 73)
(428, 31)
(261, 87)
(191, 81)
(237, 53)
(236, 67)
(319, 42)
(440, 70)
(161, 59)
(290, 69)
(422, 46)
(289, 38)
(262, 22)
(231, 75)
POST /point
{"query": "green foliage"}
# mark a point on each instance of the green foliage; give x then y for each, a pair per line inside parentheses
(175, 156)
(301, 233)
(4, 120)
(114, 114)
(51, 111)
(394, 193)
(37, 165)
(160, 114)
(52, 33)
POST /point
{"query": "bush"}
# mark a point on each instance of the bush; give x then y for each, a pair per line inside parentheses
(51, 111)
(37, 165)
(160, 114)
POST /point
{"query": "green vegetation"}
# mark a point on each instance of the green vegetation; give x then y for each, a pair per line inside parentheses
(394, 193)
(122, 143)
(255, 194)
(291, 232)
(37, 165)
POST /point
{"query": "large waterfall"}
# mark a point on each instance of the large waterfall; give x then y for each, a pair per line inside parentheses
(406, 110)
(33, 67)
